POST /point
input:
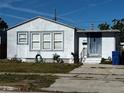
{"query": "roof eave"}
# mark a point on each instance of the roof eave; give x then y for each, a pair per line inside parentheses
(95, 31)
(41, 18)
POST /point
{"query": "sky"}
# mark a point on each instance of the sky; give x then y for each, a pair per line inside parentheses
(79, 13)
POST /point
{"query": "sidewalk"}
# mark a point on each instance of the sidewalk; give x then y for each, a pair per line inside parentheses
(91, 79)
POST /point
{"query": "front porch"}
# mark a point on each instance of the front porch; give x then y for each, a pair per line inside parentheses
(94, 45)
(90, 48)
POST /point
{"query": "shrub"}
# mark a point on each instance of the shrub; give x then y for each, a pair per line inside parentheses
(57, 58)
(75, 57)
(106, 61)
(15, 59)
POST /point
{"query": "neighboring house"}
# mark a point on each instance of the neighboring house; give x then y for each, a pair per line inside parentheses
(3, 44)
(46, 37)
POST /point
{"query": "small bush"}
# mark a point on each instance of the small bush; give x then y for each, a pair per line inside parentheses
(106, 61)
(57, 58)
(75, 57)
(15, 59)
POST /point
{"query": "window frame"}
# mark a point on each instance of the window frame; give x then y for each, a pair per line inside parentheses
(42, 35)
(51, 43)
(62, 47)
(18, 38)
(31, 41)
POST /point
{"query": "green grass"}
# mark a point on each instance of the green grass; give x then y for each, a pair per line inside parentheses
(27, 82)
(36, 67)
(31, 82)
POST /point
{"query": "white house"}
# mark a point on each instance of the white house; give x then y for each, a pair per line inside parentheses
(46, 37)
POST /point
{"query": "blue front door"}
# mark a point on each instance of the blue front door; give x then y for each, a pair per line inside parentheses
(94, 44)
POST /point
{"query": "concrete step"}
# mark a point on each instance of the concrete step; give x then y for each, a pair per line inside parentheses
(92, 60)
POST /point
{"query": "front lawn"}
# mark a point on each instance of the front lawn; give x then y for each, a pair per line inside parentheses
(29, 81)
(36, 67)
(26, 82)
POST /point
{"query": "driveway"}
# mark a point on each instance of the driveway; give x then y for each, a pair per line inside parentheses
(91, 79)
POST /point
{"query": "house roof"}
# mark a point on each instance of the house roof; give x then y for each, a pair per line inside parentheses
(48, 19)
(102, 31)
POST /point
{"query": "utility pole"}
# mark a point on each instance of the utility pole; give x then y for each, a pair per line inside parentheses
(55, 15)
(92, 26)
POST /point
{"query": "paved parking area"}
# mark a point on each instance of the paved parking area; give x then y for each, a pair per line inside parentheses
(91, 79)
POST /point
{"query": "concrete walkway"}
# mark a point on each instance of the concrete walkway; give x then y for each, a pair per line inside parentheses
(91, 79)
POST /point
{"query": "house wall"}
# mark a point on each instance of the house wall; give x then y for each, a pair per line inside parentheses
(108, 45)
(24, 52)
(109, 41)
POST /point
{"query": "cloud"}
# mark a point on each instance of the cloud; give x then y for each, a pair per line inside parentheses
(8, 4)
(74, 11)
(4, 3)
(27, 10)
(90, 5)
(13, 16)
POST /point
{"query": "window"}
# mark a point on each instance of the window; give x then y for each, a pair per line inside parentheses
(35, 41)
(58, 41)
(46, 41)
(22, 38)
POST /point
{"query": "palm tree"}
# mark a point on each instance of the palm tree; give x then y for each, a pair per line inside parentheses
(3, 25)
(119, 24)
(104, 26)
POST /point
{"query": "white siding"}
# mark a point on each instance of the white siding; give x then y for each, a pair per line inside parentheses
(108, 45)
(23, 51)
